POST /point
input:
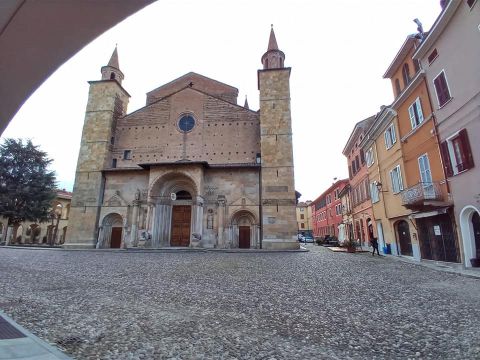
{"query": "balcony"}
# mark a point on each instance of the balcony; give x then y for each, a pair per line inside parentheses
(424, 196)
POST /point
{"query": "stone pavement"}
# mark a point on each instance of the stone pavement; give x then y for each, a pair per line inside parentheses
(214, 305)
(18, 343)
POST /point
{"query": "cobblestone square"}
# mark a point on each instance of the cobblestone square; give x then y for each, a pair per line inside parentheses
(217, 305)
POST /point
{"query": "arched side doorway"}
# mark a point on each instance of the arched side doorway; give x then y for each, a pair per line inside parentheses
(244, 234)
(403, 236)
(111, 232)
(470, 228)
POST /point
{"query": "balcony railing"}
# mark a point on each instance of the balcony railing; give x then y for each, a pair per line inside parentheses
(422, 192)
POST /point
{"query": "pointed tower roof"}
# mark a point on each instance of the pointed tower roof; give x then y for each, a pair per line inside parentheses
(272, 41)
(246, 103)
(114, 59)
(112, 70)
(274, 58)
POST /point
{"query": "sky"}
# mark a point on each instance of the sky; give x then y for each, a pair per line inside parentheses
(338, 51)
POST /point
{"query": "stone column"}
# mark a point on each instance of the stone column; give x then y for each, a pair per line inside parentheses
(221, 220)
(24, 230)
(149, 217)
(100, 238)
(134, 227)
(155, 226)
(8, 235)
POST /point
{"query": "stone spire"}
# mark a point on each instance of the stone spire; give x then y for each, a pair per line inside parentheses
(246, 103)
(272, 42)
(273, 58)
(114, 59)
(112, 70)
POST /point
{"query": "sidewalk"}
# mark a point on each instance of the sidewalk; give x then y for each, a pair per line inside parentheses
(453, 268)
(18, 343)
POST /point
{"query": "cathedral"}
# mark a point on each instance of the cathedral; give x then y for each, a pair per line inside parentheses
(192, 168)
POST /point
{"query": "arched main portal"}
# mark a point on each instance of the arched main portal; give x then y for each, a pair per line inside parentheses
(175, 211)
(244, 230)
(111, 232)
(470, 228)
(403, 235)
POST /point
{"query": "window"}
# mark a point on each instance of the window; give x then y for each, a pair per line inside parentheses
(396, 179)
(441, 89)
(302, 225)
(433, 55)
(127, 154)
(470, 3)
(369, 157)
(406, 74)
(390, 137)
(302, 209)
(374, 191)
(302, 216)
(114, 163)
(186, 123)
(398, 88)
(416, 65)
(329, 199)
(415, 113)
(362, 156)
(456, 153)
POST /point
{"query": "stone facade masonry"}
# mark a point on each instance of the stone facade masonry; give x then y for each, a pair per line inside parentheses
(144, 181)
(278, 188)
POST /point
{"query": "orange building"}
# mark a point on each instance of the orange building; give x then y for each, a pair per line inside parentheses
(362, 212)
(430, 230)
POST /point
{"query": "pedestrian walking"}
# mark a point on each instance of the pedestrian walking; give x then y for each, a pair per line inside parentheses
(374, 243)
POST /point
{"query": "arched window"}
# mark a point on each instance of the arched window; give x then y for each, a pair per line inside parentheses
(397, 86)
(112, 76)
(406, 74)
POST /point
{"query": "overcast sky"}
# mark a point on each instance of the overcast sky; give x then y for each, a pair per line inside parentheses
(338, 51)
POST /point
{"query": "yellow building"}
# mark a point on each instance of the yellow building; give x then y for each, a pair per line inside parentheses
(384, 158)
(304, 218)
(51, 232)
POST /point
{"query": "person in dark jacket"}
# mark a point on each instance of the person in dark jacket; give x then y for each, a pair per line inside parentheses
(374, 243)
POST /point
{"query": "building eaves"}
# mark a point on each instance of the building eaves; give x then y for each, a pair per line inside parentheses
(400, 57)
(437, 28)
(364, 124)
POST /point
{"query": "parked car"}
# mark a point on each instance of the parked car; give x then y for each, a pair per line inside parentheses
(301, 238)
(308, 239)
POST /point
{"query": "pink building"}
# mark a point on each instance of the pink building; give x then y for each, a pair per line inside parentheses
(327, 210)
(362, 212)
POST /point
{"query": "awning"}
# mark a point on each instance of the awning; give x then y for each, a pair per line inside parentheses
(428, 213)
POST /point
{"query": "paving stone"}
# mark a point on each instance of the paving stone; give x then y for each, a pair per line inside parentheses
(211, 305)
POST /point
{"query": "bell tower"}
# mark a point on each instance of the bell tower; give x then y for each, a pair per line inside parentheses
(107, 101)
(279, 222)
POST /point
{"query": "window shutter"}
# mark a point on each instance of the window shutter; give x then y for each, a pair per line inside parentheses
(419, 109)
(411, 113)
(447, 163)
(362, 156)
(466, 149)
(400, 181)
(392, 180)
(350, 172)
(392, 132)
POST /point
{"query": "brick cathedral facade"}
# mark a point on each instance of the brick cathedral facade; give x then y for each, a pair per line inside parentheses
(190, 169)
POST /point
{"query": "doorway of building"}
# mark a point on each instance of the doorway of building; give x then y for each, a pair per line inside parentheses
(476, 232)
(437, 238)
(403, 232)
(244, 237)
(181, 219)
(116, 238)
